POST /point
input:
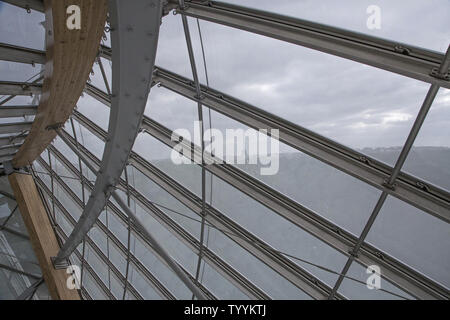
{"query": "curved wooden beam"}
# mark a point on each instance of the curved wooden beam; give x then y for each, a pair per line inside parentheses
(70, 55)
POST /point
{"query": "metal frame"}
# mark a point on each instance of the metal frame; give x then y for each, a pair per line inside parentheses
(122, 216)
(408, 188)
(407, 60)
(395, 271)
(216, 262)
(286, 268)
(412, 190)
(417, 63)
(432, 92)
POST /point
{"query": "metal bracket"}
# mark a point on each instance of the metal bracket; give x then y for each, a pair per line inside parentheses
(352, 253)
(63, 264)
(388, 186)
(403, 50)
(55, 126)
(436, 74)
(8, 167)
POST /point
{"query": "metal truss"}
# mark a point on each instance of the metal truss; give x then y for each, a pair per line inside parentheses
(407, 60)
(157, 285)
(408, 188)
(395, 271)
(285, 267)
(177, 269)
(216, 262)
(72, 221)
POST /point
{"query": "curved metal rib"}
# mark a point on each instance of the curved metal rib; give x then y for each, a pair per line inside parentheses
(134, 37)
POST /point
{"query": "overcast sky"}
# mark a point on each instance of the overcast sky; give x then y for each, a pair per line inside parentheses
(351, 103)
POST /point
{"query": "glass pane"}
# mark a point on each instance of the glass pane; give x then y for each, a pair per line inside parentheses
(67, 176)
(21, 28)
(142, 285)
(94, 110)
(14, 71)
(171, 36)
(90, 141)
(172, 110)
(158, 154)
(360, 290)
(414, 237)
(274, 285)
(336, 196)
(164, 201)
(221, 287)
(97, 78)
(276, 231)
(16, 252)
(430, 155)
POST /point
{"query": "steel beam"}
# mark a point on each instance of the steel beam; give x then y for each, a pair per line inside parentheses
(404, 59)
(4, 141)
(134, 37)
(14, 127)
(412, 190)
(9, 149)
(19, 88)
(9, 52)
(17, 111)
(37, 5)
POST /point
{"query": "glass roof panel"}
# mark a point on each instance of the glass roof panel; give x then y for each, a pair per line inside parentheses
(395, 17)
